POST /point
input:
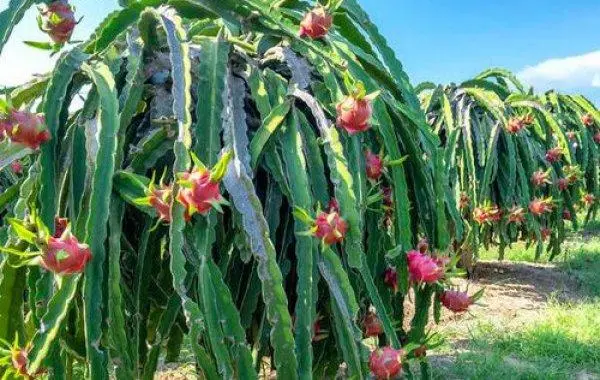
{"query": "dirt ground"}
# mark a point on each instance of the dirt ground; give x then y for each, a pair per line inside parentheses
(514, 291)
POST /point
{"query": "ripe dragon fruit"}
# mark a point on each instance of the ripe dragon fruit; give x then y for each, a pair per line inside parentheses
(480, 215)
(456, 301)
(540, 206)
(573, 173)
(540, 178)
(487, 214)
(423, 268)
(199, 191)
(160, 198)
(58, 21)
(587, 120)
(516, 215)
(527, 119)
(514, 125)
(372, 325)
(588, 199)
(19, 359)
(390, 278)
(563, 184)
(566, 214)
(316, 23)
(554, 154)
(385, 363)
(65, 255)
(354, 111)
(25, 128)
(374, 165)
(330, 227)
(597, 138)
(201, 194)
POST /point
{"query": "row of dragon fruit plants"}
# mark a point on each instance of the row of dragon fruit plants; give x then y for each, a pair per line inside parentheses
(263, 179)
(523, 164)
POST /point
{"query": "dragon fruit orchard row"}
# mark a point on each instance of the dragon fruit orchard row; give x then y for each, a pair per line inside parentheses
(185, 209)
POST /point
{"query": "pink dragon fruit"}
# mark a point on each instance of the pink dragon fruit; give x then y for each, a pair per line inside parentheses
(563, 184)
(554, 154)
(589, 199)
(540, 206)
(353, 114)
(160, 198)
(487, 214)
(202, 194)
(65, 255)
(374, 165)
(516, 215)
(316, 23)
(514, 125)
(423, 268)
(16, 167)
(587, 120)
(58, 21)
(540, 178)
(330, 227)
(456, 301)
(26, 128)
(385, 363)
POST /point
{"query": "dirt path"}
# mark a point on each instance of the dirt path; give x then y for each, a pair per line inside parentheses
(514, 292)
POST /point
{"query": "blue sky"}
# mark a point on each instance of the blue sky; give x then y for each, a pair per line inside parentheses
(548, 43)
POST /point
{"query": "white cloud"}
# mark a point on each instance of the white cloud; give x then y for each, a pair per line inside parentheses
(566, 74)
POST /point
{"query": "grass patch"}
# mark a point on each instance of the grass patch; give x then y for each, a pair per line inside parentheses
(516, 252)
(565, 342)
(582, 261)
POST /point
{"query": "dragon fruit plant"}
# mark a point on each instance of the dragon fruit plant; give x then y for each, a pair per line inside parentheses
(504, 148)
(252, 110)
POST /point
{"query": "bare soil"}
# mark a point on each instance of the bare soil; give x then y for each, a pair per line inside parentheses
(515, 291)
